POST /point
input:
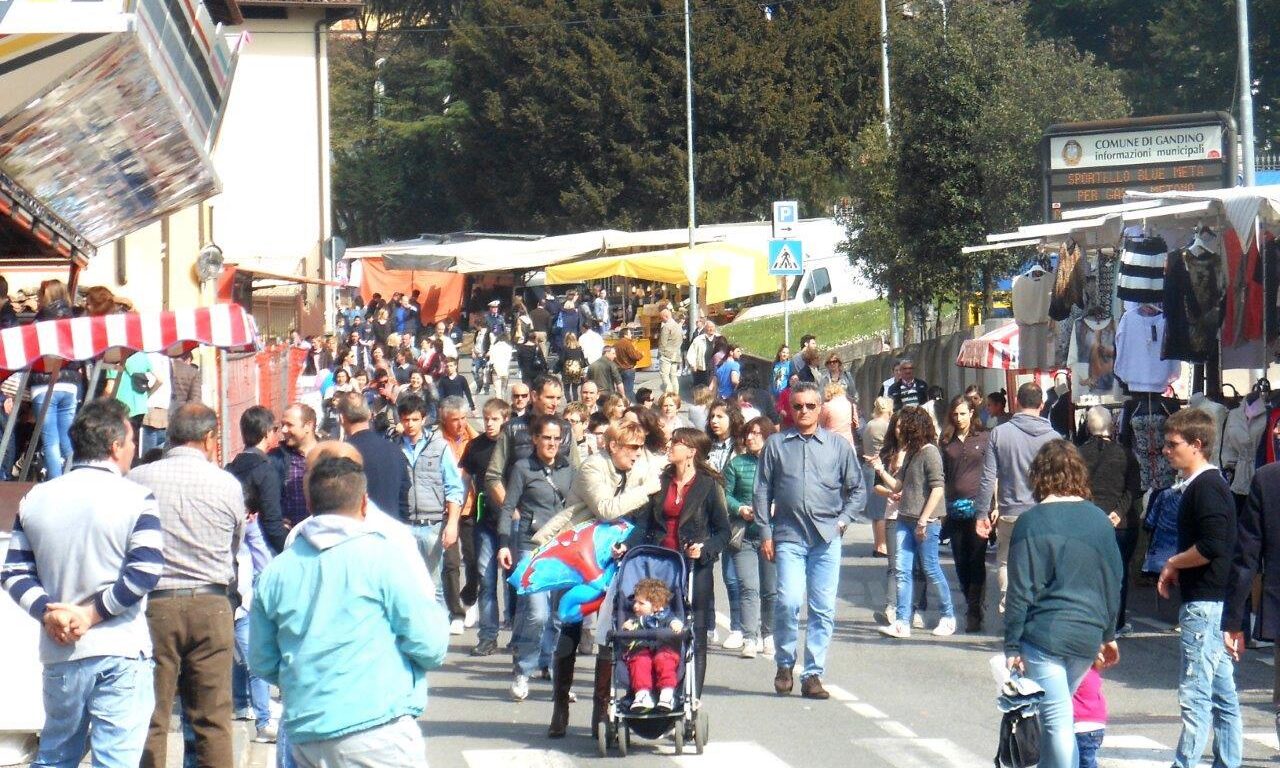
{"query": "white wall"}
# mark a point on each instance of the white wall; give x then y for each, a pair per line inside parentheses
(267, 154)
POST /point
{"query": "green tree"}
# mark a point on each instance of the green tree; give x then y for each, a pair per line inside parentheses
(969, 106)
(577, 109)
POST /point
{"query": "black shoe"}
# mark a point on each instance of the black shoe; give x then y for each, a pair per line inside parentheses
(485, 648)
(545, 674)
(782, 682)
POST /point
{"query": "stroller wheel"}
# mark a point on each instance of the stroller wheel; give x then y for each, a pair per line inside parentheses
(678, 733)
(701, 730)
(624, 740)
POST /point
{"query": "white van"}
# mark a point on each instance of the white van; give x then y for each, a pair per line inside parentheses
(828, 276)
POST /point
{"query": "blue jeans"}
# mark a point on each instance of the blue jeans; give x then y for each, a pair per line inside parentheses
(1087, 745)
(153, 438)
(428, 537)
(533, 639)
(55, 432)
(733, 589)
(248, 689)
(487, 600)
(102, 704)
(759, 583)
(806, 574)
(1059, 676)
(927, 550)
(1207, 690)
(629, 383)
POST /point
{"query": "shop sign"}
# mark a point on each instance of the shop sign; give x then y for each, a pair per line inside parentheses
(1093, 164)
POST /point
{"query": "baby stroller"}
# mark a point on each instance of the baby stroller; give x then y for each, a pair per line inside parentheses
(686, 721)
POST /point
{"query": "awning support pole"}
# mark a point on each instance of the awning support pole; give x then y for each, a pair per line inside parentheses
(12, 420)
(38, 432)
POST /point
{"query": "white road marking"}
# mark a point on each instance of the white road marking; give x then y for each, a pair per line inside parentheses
(1266, 738)
(895, 728)
(729, 754)
(838, 693)
(866, 710)
(1133, 751)
(922, 753)
(516, 758)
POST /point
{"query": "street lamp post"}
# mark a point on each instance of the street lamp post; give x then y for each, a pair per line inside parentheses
(1246, 91)
(688, 109)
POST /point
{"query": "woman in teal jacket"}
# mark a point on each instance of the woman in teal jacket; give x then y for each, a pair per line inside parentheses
(758, 577)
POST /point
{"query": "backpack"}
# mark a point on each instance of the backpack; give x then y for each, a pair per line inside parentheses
(572, 369)
(1019, 738)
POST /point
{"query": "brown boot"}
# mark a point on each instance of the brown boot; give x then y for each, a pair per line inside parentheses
(603, 689)
(782, 682)
(561, 685)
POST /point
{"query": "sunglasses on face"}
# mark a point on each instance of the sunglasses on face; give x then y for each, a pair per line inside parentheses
(804, 406)
(518, 396)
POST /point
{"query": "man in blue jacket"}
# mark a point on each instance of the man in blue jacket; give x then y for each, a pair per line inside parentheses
(341, 624)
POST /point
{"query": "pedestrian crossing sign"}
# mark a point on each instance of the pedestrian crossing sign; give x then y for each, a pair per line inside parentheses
(786, 257)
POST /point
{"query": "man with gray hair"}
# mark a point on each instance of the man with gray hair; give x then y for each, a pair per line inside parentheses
(384, 469)
(670, 337)
(908, 390)
(202, 516)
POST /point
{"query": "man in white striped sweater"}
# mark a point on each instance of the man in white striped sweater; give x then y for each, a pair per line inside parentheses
(86, 549)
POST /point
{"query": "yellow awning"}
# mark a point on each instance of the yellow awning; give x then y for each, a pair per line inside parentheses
(724, 271)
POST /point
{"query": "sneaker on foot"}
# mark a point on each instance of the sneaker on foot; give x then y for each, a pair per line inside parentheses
(767, 646)
(713, 637)
(748, 649)
(244, 713)
(473, 615)
(917, 620)
(734, 641)
(267, 734)
(485, 648)
(898, 629)
(520, 687)
(643, 702)
(666, 699)
(456, 627)
(946, 626)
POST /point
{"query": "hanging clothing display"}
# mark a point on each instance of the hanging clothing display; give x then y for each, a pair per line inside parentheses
(1031, 295)
(1142, 265)
(1218, 412)
(1271, 253)
(1068, 282)
(1139, 337)
(1142, 431)
(1195, 294)
(1268, 450)
(1162, 521)
(1242, 319)
(1065, 330)
(1100, 283)
(1092, 357)
(1241, 436)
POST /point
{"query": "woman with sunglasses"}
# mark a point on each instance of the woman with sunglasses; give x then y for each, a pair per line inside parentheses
(724, 424)
(921, 508)
(688, 514)
(756, 574)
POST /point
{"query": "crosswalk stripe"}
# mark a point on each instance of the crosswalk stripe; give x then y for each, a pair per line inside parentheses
(1133, 751)
(838, 693)
(895, 728)
(922, 753)
(730, 754)
(1266, 738)
(516, 758)
(866, 710)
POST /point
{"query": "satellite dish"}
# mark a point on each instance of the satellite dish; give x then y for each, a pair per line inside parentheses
(209, 263)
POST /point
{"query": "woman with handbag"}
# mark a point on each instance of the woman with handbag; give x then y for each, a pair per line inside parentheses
(921, 509)
(964, 444)
(688, 515)
(1064, 593)
(757, 574)
(572, 367)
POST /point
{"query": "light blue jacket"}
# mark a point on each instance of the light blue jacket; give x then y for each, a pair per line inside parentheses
(342, 625)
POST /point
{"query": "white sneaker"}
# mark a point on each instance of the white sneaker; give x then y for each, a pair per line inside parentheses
(456, 627)
(917, 621)
(666, 699)
(734, 641)
(748, 650)
(643, 701)
(767, 646)
(520, 687)
(898, 629)
(946, 626)
(713, 636)
(759, 645)
(473, 615)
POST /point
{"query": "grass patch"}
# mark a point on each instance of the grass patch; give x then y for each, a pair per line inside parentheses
(834, 325)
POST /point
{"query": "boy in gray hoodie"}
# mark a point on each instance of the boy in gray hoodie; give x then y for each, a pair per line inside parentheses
(1006, 468)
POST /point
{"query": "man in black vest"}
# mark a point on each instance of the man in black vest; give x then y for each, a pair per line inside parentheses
(515, 442)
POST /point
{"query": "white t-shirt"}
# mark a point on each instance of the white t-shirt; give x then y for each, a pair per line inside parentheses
(161, 368)
(592, 344)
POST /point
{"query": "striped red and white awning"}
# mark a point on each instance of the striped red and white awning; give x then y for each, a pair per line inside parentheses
(225, 326)
(997, 349)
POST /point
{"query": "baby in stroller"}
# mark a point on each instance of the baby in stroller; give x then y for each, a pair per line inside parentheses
(652, 665)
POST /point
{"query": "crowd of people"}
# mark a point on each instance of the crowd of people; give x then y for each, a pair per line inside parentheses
(335, 555)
